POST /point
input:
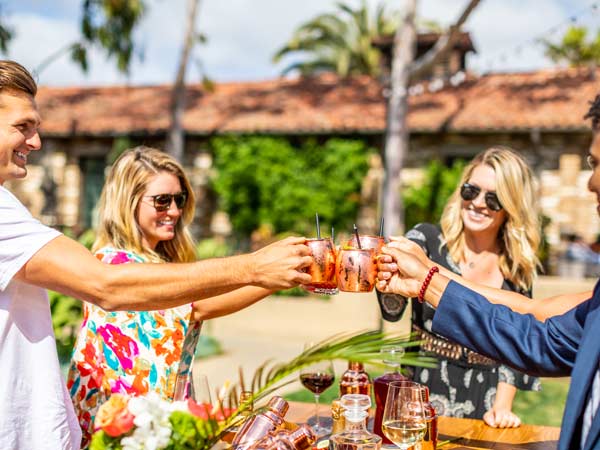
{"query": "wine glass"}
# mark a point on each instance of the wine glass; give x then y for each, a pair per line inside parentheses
(317, 377)
(404, 416)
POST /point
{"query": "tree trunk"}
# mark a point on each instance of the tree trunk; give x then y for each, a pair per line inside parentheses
(405, 69)
(175, 135)
(396, 139)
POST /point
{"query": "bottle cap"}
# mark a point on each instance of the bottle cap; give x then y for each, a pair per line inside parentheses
(303, 437)
(336, 409)
(392, 355)
(355, 406)
(278, 405)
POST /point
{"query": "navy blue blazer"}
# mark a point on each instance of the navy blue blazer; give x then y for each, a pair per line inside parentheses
(562, 346)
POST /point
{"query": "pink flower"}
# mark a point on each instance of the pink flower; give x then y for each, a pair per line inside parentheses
(113, 416)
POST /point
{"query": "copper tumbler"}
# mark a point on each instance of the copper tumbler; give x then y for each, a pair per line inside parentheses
(368, 241)
(322, 269)
(356, 269)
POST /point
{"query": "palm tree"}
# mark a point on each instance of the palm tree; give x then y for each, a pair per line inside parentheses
(340, 42)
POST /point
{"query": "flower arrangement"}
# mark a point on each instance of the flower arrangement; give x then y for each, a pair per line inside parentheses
(151, 423)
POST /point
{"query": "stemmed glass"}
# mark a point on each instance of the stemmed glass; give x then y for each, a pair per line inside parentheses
(404, 416)
(317, 377)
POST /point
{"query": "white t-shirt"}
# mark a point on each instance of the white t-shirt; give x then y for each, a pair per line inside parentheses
(36, 412)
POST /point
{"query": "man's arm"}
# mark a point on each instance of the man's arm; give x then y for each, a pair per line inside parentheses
(66, 266)
(542, 309)
(537, 348)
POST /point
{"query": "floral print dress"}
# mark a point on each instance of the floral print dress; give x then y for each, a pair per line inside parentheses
(464, 383)
(129, 352)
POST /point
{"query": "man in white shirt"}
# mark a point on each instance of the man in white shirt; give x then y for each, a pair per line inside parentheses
(35, 408)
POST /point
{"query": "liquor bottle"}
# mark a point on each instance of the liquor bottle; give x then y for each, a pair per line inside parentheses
(246, 407)
(355, 435)
(337, 417)
(301, 438)
(391, 357)
(261, 424)
(355, 380)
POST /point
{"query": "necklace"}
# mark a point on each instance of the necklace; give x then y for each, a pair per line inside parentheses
(471, 264)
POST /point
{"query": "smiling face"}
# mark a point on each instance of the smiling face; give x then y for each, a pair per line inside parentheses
(19, 123)
(157, 226)
(476, 215)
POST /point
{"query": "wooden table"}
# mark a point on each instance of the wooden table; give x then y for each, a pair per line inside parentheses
(465, 433)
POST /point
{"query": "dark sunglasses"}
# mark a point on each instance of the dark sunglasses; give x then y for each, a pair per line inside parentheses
(162, 202)
(470, 192)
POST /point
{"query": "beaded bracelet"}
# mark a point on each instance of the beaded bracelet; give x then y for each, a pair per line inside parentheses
(426, 282)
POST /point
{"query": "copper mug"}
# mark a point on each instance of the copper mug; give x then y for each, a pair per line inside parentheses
(322, 269)
(356, 269)
(367, 241)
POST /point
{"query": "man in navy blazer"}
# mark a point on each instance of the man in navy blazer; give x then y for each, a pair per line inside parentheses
(563, 345)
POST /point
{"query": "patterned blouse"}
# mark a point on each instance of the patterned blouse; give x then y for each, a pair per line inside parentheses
(129, 352)
(464, 384)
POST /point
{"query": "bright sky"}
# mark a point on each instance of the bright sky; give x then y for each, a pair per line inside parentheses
(244, 34)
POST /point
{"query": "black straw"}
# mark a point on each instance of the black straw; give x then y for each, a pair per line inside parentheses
(381, 227)
(318, 227)
(357, 238)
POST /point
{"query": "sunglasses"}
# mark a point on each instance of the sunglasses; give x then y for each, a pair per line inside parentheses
(470, 192)
(162, 202)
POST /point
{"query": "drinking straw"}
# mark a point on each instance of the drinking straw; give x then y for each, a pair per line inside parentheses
(318, 227)
(357, 238)
(381, 227)
(332, 235)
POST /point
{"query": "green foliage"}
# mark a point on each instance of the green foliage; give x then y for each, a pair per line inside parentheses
(341, 41)
(102, 441)
(189, 432)
(212, 248)
(425, 203)
(267, 181)
(574, 48)
(110, 24)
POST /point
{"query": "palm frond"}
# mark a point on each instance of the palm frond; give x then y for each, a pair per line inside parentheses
(362, 347)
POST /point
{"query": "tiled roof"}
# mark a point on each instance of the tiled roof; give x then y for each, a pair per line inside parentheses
(546, 100)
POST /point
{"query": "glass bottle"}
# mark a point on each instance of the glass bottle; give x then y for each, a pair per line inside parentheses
(391, 356)
(431, 433)
(337, 417)
(261, 424)
(355, 380)
(355, 435)
(301, 438)
(246, 407)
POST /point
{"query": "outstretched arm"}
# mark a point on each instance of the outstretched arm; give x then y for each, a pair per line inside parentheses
(469, 319)
(542, 309)
(66, 266)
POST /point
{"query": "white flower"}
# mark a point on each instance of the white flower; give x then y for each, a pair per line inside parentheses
(153, 429)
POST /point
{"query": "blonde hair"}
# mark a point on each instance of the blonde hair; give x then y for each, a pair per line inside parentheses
(119, 202)
(519, 236)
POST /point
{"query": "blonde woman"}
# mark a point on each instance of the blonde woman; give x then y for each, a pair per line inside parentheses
(488, 235)
(145, 208)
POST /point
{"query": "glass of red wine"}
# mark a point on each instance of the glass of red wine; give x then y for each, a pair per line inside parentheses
(317, 378)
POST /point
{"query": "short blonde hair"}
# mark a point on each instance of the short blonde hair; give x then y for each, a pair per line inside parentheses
(520, 235)
(119, 202)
